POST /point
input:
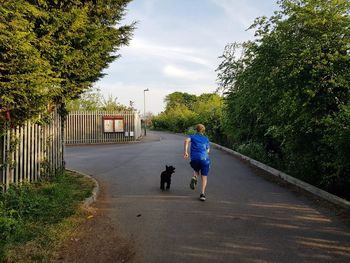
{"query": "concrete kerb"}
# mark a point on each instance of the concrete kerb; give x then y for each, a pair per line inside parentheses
(90, 200)
(303, 185)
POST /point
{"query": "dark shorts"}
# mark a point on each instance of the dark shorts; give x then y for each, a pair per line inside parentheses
(201, 166)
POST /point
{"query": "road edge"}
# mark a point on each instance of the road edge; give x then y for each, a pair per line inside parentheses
(290, 179)
(89, 200)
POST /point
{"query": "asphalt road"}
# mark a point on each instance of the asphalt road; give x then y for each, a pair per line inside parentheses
(245, 217)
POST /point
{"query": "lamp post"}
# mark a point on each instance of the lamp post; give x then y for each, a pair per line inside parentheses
(144, 108)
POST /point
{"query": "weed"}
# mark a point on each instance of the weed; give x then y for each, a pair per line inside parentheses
(32, 216)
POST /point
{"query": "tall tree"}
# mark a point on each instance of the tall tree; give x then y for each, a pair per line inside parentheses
(90, 100)
(179, 98)
(184, 111)
(290, 88)
(62, 47)
(25, 76)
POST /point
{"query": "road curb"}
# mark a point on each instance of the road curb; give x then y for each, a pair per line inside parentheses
(90, 200)
(292, 180)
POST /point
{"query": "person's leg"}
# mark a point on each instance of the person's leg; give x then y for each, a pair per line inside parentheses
(196, 168)
(204, 171)
(194, 180)
(196, 174)
(204, 183)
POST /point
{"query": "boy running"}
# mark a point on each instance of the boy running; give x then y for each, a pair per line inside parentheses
(200, 161)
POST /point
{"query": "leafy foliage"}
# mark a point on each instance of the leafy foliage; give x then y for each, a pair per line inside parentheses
(289, 90)
(185, 110)
(52, 51)
(25, 77)
(28, 212)
(93, 100)
(176, 119)
(88, 101)
(179, 98)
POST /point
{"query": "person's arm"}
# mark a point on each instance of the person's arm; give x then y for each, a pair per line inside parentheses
(187, 141)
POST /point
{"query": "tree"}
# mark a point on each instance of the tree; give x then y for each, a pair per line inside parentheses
(52, 51)
(90, 100)
(290, 87)
(208, 108)
(110, 104)
(83, 40)
(184, 111)
(177, 119)
(93, 100)
(179, 98)
(26, 81)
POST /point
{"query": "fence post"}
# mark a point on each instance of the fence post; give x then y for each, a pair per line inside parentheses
(63, 119)
(2, 157)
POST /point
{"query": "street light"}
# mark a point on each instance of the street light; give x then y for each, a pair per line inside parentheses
(144, 108)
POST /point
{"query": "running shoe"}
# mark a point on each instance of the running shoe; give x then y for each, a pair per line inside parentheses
(202, 197)
(193, 182)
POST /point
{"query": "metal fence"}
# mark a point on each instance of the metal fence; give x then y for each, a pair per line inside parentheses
(89, 127)
(31, 151)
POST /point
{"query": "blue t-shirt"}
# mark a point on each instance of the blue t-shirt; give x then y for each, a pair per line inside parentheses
(199, 147)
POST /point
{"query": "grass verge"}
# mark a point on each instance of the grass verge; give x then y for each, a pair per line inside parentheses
(36, 218)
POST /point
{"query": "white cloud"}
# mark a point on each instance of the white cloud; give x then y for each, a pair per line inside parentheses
(177, 51)
(146, 48)
(178, 72)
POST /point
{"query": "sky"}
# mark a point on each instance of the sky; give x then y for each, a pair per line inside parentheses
(176, 47)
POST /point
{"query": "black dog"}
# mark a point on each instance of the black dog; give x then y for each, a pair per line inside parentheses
(165, 177)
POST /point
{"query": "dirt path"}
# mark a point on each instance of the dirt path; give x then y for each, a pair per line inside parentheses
(97, 239)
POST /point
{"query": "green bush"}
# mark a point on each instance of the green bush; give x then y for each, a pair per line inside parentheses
(184, 111)
(288, 90)
(29, 210)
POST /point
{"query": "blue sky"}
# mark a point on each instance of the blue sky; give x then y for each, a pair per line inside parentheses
(176, 47)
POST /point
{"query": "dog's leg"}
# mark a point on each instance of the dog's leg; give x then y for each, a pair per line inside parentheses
(162, 184)
(168, 184)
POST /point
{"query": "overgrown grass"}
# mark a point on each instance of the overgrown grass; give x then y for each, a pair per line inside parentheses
(36, 218)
